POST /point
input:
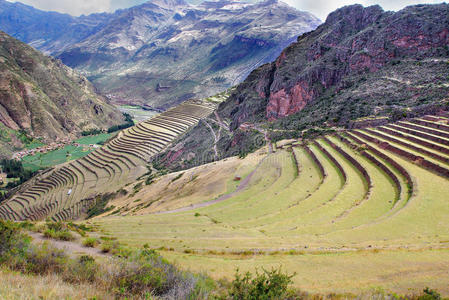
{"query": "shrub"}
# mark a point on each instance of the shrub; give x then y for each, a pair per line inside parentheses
(12, 241)
(147, 273)
(90, 242)
(135, 274)
(429, 294)
(101, 202)
(85, 269)
(149, 180)
(45, 259)
(92, 131)
(266, 285)
(63, 235)
(106, 247)
(128, 123)
(177, 177)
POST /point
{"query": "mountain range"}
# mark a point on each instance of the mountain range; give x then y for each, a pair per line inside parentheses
(362, 67)
(162, 52)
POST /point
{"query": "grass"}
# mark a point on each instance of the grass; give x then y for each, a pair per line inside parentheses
(327, 232)
(131, 273)
(94, 139)
(53, 158)
(91, 242)
(336, 234)
(34, 144)
(68, 153)
(14, 285)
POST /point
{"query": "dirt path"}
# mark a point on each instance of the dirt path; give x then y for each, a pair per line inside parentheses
(71, 248)
(267, 139)
(216, 138)
(243, 185)
(220, 121)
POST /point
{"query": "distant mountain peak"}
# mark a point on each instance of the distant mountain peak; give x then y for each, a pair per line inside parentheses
(168, 4)
(195, 50)
(356, 12)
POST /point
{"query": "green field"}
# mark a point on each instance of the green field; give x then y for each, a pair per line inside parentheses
(94, 139)
(53, 158)
(35, 144)
(60, 156)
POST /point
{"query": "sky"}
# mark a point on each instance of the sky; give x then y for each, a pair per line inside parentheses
(320, 8)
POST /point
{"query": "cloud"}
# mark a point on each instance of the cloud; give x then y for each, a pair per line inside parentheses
(73, 7)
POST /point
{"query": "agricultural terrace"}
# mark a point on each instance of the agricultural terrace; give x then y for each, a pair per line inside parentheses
(138, 113)
(68, 190)
(331, 209)
(76, 150)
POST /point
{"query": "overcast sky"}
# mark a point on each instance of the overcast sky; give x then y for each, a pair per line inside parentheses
(321, 8)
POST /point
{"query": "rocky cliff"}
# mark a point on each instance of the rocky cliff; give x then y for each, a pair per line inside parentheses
(361, 62)
(43, 98)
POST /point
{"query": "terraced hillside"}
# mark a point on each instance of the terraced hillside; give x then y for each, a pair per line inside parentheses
(330, 209)
(69, 190)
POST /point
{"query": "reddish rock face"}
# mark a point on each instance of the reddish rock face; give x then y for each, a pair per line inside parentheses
(282, 103)
(353, 42)
(355, 39)
(174, 156)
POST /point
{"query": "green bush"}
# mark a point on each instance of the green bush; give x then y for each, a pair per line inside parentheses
(429, 294)
(12, 242)
(177, 177)
(63, 235)
(45, 259)
(85, 269)
(101, 202)
(92, 131)
(91, 242)
(58, 231)
(106, 246)
(128, 123)
(266, 285)
(134, 274)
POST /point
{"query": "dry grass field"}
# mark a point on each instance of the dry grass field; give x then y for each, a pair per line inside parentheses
(16, 286)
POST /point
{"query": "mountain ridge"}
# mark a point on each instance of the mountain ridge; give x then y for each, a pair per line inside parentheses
(153, 44)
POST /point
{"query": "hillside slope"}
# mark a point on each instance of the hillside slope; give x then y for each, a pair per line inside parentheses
(161, 53)
(68, 191)
(43, 98)
(362, 62)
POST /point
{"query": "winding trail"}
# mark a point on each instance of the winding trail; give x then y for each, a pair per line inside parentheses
(243, 185)
(72, 248)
